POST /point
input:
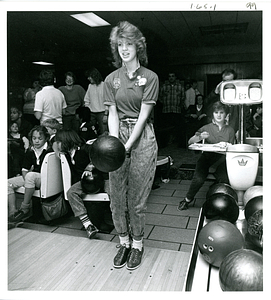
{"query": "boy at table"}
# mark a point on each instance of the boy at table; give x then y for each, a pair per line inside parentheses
(216, 132)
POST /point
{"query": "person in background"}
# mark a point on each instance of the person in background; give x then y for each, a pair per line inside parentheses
(74, 96)
(87, 130)
(130, 92)
(254, 120)
(172, 97)
(52, 126)
(216, 132)
(29, 102)
(30, 177)
(76, 152)
(191, 93)
(233, 117)
(17, 146)
(195, 116)
(94, 99)
(50, 102)
(17, 116)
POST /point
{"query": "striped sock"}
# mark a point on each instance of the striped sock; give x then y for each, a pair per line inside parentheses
(85, 220)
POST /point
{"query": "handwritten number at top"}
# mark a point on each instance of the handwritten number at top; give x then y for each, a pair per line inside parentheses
(251, 5)
(203, 6)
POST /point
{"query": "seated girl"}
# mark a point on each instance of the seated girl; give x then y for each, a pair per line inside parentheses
(30, 177)
(216, 132)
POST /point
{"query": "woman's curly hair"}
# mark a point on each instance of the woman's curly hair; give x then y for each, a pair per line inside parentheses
(129, 31)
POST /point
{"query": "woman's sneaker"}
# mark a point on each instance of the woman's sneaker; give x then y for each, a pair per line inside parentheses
(134, 259)
(183, 205)
(121, 258)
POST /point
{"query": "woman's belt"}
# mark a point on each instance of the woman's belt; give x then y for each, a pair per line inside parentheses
(129, 120)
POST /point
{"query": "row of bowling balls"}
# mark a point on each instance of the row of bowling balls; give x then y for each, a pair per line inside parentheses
(222, 202)
(222, 244)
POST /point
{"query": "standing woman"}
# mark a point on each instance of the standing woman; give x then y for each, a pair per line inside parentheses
(94, 99)
(74, 96)
(130, 94)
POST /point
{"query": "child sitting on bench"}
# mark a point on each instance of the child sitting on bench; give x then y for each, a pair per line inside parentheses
(76, 151)
(30, 178)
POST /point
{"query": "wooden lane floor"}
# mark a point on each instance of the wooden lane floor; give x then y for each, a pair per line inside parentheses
(42, 261)
(59, 257)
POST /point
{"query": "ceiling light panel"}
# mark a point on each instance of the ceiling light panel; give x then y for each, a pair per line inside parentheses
(90, 19)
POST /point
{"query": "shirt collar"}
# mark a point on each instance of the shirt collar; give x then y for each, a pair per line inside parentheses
(48, 87)
(133, 75)
(38, 152)
(72, 153)
(213, 121)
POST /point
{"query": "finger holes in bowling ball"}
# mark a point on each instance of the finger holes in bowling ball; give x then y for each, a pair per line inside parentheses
(211, 249)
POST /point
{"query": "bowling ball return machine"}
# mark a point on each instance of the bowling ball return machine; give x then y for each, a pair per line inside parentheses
(242, 159)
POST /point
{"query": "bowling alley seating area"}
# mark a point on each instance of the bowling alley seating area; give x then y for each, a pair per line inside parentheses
(169, 239)
(171, 255)
(166, 227)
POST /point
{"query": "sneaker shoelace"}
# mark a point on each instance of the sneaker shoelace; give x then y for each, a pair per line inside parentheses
(135, 253)
(121, 248)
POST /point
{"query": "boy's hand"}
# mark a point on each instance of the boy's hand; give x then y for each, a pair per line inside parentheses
(87, 173)
(88, 170)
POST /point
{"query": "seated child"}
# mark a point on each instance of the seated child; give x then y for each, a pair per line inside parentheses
(76, 151)
(17, 145)
(87, 130)
(52, 126)
(30, 178)
(216, 132)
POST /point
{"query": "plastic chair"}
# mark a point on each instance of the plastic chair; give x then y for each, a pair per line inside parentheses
(66, 176)
(51, 178)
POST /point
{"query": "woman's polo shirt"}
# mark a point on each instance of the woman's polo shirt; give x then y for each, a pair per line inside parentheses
(226, 134)
(128, 94)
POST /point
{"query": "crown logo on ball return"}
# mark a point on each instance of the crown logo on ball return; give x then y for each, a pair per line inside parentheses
(242, 163)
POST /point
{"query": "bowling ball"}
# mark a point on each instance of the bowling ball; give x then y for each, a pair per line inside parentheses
(223, 188)
(242, 270)
(92, 184)
(217, 239)
(253, 205)
(253, 191)
(255, 228)
(221, 207)
(107, 153)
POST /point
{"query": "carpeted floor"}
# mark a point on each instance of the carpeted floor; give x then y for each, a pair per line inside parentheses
(184, 161)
